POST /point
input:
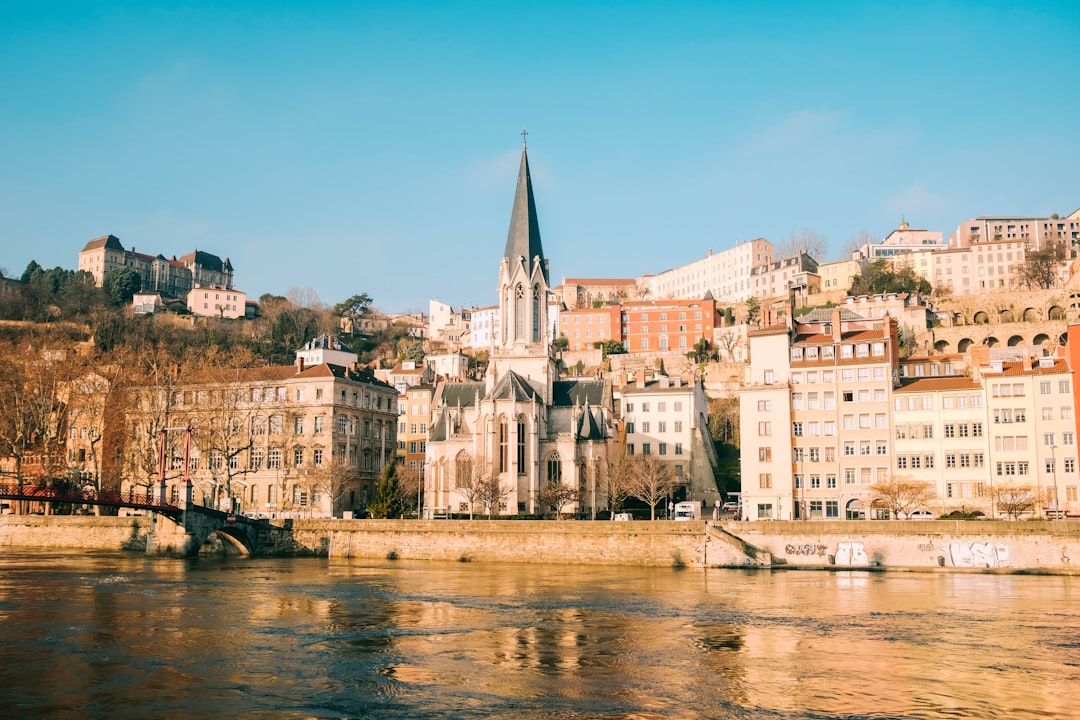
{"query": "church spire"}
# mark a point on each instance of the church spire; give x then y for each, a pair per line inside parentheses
(523, 240)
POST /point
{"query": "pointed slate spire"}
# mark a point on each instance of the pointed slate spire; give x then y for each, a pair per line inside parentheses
(523, 240)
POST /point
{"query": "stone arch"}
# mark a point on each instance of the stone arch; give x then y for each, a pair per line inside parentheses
(1056, 312)
(963, 345)
(232, 541)
(1015, 340)
(958, 319)
(1006, 316)
(1074, 301)
(1040, 339)
(942, 346)
(1063, 339)
(981, 318)
(991, 341)
(854, 510)
(1031, 315)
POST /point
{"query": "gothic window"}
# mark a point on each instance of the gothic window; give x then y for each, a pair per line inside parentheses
(554, 469)
(536, 314)
(521, 445)
(462, 469)
(504, 432)
(519, 313)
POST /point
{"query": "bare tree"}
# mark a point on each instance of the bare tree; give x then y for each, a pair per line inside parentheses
(411, 480)
(651, 480)
(1041, 267)
(856, 242)
(31, 421)
(902, 495)
(729, 341)
(1015, 500)
(806, 241)
(471, 478)
(558, 496)
(617, 478)
(491, 492)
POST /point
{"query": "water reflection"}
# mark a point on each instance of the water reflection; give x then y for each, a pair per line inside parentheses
(126, 636)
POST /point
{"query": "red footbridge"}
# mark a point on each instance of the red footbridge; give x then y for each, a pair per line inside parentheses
(89, 496)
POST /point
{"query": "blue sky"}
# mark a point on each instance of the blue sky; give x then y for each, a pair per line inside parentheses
(373, 147)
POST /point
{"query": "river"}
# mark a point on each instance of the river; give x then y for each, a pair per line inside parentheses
(125, 636)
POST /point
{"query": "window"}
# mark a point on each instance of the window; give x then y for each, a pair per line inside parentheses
(646, 448)
(645, 427)
(764, 454)
(678, 449)
(764, 429)
(797, 429)
(765, 481)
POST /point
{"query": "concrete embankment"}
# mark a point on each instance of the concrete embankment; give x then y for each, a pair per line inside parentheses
(1035, 545)
(1031, 546)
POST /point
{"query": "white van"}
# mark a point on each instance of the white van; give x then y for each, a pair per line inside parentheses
(687, 511)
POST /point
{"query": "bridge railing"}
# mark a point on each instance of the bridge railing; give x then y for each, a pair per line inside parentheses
(85, 496)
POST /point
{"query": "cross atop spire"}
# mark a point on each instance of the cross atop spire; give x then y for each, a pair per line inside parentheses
(523, 241)
(524, 134)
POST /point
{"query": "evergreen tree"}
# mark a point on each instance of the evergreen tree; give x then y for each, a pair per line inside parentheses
(387, 502)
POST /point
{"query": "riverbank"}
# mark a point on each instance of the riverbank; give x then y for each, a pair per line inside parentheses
(1051, 547)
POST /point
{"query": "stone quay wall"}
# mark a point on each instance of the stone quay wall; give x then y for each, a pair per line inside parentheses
(1033, 545)
(659, 544)
(1028, 546)
(74, 532)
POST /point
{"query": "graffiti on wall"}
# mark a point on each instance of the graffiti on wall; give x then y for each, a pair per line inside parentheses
(804, 549)
(851, 553)
(976, 554)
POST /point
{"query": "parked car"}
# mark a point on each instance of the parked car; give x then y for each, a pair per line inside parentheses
(731, 506)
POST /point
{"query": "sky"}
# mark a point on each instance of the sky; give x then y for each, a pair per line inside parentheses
(349, 147)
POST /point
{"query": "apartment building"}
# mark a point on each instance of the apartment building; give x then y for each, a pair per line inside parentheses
(1034, 232)
(581, 293)
(904, 239)
(414, 415)
(836, 277)
(726, 274)
(485, 331)
(668, 325)
(668, 417)
(217, 301)
(283, 440)
(776, 279)
(815, 418)
(940, 436)
(587, 326)
(1032, 427)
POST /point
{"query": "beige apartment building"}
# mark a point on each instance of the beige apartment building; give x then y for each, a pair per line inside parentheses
(815, 417)
(284, 441)
(669, 417)
(940, 436)
(726, 274)
(1032, 429)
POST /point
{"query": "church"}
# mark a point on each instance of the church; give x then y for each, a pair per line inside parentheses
(501, 445)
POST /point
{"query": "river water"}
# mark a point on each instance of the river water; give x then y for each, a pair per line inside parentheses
(125, 636)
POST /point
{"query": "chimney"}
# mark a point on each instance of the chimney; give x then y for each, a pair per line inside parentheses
(299, 364)
(836, 334)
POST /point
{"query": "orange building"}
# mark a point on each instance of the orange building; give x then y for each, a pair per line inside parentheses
(667, 325)
(584, 328)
